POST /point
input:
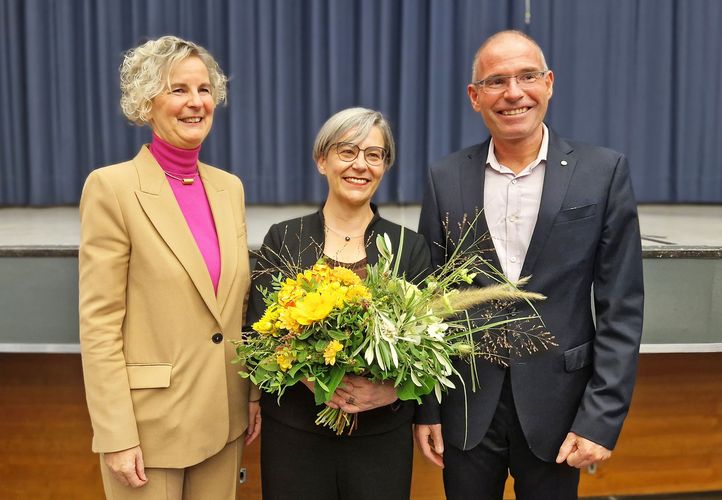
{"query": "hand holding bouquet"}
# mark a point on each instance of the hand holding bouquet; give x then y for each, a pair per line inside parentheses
(325, 322)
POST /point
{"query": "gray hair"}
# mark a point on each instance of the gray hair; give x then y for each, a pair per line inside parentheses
(145, 74)
(360, 121)
(477, 56)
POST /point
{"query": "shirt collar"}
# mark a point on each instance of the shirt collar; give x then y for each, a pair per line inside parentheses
(540, 157)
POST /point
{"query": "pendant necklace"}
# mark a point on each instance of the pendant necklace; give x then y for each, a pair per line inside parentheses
(346, 237)
(186, 181)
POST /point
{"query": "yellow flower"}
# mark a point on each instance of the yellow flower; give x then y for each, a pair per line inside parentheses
(335, 290)
(322, 270)
(313, 307)
(345, 276)
(289, 293)
(357, 293)
(317, 274)
(285, 360)
(267, 323)
(329, 354)
(287, 321)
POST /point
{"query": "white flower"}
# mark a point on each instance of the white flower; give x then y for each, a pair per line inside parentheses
(436, 330)
(387, 329)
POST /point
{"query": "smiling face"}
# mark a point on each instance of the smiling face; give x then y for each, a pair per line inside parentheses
(516, 114)
(352, 183)
(182, 116)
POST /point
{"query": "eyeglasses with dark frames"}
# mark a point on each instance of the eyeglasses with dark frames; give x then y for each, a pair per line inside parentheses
(374, 155)
(499, 83)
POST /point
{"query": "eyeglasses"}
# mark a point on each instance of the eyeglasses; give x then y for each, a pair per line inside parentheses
(373, 155)
(498, 84)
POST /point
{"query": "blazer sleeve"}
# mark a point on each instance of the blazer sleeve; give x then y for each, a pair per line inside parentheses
(103, 269)
(430, 222)
(619, 304)
(418, 259)
(430, 228)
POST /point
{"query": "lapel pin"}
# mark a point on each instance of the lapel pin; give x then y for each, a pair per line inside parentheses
(564, 163)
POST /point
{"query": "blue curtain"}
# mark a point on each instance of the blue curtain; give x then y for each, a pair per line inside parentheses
(639, 76)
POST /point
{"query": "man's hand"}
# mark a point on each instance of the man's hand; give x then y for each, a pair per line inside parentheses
(429, 439)
(356, 394)
(127, 466)
(580, 452)
(254, 422)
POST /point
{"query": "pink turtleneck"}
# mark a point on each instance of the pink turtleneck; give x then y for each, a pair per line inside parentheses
(192, 200)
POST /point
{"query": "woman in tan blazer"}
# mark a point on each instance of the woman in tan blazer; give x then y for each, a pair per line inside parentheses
(163, 284)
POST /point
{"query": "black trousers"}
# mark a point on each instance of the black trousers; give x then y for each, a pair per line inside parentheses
(480, 473)
(298, 465)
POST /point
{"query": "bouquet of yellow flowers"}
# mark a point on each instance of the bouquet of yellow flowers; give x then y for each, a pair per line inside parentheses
(325, 322)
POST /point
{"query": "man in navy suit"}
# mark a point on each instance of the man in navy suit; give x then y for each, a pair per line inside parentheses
(563, 213)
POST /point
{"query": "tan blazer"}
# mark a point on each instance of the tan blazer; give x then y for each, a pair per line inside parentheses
(156, 373)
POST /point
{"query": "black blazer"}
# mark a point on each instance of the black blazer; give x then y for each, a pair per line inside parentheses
(586, 236)
(301, 241)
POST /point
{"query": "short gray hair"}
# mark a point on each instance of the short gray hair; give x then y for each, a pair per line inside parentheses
(360, 120)
(477, 56)
(145, 73)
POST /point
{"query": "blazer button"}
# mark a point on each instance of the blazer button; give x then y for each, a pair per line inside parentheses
(217, 338)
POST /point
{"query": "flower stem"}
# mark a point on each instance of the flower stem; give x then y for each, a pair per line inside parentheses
(337, 420)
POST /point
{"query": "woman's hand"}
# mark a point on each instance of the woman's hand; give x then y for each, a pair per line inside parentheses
(254, 422)
(356, 394)
(127, 467)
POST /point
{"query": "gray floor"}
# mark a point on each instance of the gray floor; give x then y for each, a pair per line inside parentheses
(662, 225)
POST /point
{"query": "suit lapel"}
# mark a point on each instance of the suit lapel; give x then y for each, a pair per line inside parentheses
(220, 202)
(159, 204)
(471, 188)
(558, 171)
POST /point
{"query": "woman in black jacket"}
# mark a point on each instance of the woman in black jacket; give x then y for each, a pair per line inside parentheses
(299, 459)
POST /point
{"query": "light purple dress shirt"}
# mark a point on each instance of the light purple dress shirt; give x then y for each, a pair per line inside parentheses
(511, 206)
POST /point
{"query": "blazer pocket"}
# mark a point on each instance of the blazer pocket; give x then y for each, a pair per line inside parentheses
(575, 213)
(578, 357)
(149, 376)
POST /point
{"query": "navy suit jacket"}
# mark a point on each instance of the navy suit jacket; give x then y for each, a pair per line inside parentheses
(586, 237)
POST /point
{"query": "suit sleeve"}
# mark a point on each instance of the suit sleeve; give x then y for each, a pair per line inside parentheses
(618, 301)
(431, 223)
(103, 273)
(418, 260)
(431, 229)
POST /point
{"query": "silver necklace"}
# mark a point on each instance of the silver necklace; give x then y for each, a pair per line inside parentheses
(186, 181)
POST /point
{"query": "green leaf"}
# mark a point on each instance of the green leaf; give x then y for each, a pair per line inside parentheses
(407, 391)
(320, 392)
(337, 335)
(305, 334)
(269, 364)
(337, 374)
(295, 368)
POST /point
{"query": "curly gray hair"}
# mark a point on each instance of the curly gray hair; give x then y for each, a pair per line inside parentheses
(145, 73)
(360, 120)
